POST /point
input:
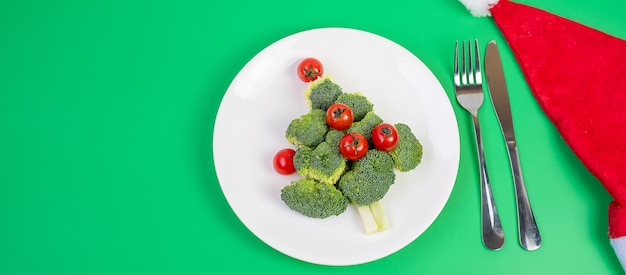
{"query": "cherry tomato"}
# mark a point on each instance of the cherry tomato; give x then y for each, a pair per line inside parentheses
(283, 161)
(310, 69)
(353, 146)
(385, 137)
(339, 116)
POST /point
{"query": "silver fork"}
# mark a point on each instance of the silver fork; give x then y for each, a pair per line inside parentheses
(469, 94)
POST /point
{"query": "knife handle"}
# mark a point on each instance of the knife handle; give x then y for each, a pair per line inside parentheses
(492, 233)
(529, 236)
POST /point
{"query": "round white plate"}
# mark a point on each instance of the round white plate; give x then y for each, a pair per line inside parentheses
(266, 95)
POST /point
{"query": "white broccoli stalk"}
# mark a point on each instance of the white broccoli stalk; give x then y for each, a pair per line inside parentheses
(373, 217)
(379, 215)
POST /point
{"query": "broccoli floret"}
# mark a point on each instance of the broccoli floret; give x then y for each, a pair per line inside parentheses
(308, 130)
(324, 163)
(370, 178)
(314, 199)
(376, 161)
(359, 104)
(333, 137)
(362, 187)
(321, 93)
(408, 153)
(366, 125)
(350, 185)
(301, 159)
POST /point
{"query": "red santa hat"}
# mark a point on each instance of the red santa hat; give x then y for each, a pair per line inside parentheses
(577, 75)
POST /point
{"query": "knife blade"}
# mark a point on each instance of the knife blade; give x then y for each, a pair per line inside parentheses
(529, 236)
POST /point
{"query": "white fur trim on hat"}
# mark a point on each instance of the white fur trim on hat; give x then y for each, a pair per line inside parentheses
(479, 8)
(619, 245)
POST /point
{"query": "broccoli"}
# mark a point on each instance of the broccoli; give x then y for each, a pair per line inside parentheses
(370, 178)
(366, 125)
(324, 163)
(313, 198)
(308, 130)
(359, 104)
(330, 182)
(408, 153)
(366, 184)
(322, 93)
(333, 137)
(376, 161)
(362, 187)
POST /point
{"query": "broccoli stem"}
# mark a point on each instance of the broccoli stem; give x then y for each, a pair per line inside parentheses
(367, 219)
(373, 217)
(379, 215)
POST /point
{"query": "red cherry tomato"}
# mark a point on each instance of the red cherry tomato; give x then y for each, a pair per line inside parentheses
(339, 116)
(353, 146)
(283, 161)
(385, 137)
(310, 69)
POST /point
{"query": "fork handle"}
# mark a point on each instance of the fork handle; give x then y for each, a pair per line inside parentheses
(529, 236)
(492, 233)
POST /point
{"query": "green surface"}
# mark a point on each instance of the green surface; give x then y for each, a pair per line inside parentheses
(106, 117)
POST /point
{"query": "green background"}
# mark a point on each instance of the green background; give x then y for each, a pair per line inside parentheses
(106, 121)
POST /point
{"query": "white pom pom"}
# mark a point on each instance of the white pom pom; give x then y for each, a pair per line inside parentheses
(479, 8)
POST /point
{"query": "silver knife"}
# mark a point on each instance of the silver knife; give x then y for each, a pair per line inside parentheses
(528, 232)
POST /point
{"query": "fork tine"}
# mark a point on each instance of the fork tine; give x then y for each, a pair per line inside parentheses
(463, 64)
(467, 70)
(457, 79)
(477, 72)
(470, 64)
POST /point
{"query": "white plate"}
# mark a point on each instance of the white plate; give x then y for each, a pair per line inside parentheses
(266, 95)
